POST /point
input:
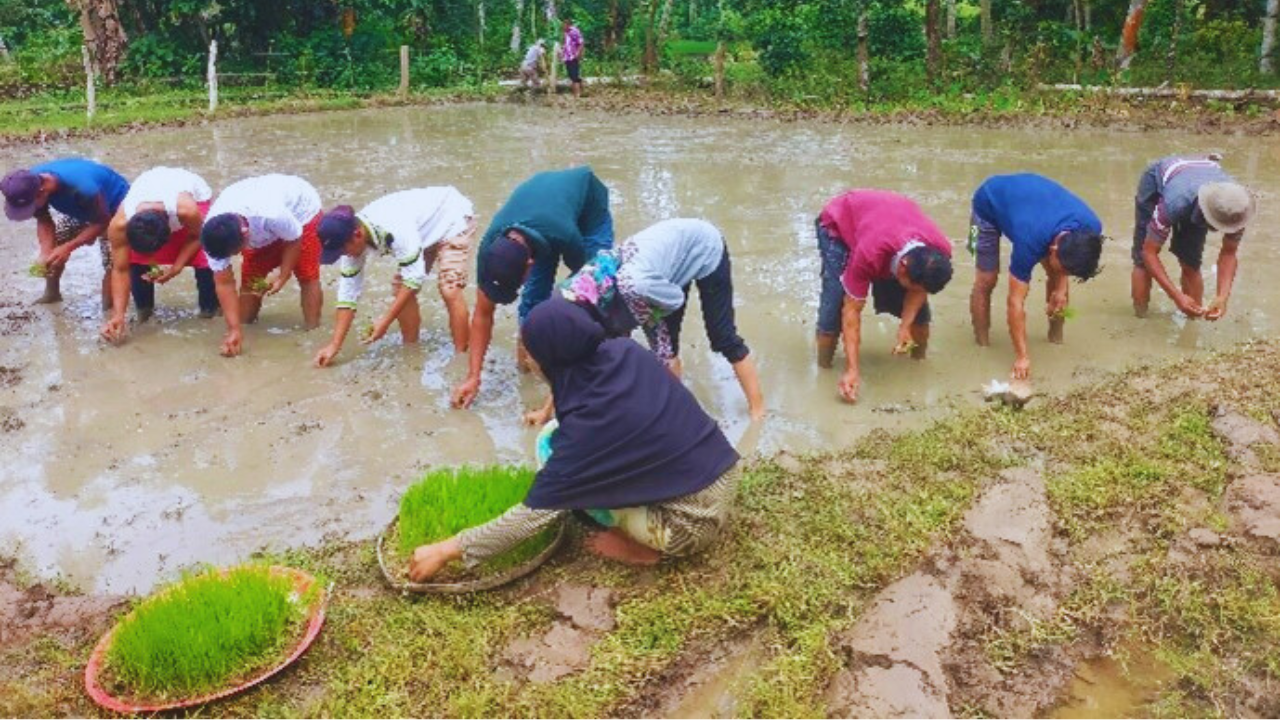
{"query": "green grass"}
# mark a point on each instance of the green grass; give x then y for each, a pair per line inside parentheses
(448, 501)
(208, 629)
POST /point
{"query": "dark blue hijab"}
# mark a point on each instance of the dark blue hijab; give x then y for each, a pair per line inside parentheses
(630, 434)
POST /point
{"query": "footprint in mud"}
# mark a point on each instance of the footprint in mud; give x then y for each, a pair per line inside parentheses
(587, 613)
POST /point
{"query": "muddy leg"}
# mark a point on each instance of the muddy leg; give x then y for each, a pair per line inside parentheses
(984, 283)
(1056, 324)
(53, 287)
(920, 336)
(1193, 283)
(410, 318)
(313, 303)
(1140, 287)
(826, 343)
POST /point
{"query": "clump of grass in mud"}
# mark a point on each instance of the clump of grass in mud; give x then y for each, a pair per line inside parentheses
(207, 630)
(448, 501)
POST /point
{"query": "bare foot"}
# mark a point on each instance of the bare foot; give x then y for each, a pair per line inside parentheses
(612, 544)
(48, 298)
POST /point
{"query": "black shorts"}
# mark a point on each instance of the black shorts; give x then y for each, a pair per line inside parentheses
(888, 296)
(573, 67)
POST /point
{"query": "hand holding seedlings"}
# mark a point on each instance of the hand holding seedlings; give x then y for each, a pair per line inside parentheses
(372, 332)
(259, 286)
(113, 330)
(57, 258)
(158, 275)
(277, 284)
(1066, 313)
(1216, 309)
(905, 343)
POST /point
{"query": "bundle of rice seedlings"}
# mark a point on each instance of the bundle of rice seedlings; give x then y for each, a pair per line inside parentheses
(209, 630)
(38, 270)
(258, 286)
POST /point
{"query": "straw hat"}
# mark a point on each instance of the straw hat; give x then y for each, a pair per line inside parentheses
(1227, 206)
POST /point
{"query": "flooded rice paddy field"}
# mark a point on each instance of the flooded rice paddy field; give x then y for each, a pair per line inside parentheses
(122, 465)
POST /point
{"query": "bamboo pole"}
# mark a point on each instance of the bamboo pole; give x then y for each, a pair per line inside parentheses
(213, 76)
(1167, 92)
(555, 66)
(90, 92)
(404, 71)
(719, 69)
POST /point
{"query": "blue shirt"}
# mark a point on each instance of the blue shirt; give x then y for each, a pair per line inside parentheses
(1031, 210)
(87, 191)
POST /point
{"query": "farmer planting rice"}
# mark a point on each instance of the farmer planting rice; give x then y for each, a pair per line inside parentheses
(1046, 224)
(86, 193)
(1184, 198)
(879, 243)
(157, 224)
(553, 216)
(272, 221)
(632, 449)
(423, 228)
(646, 282)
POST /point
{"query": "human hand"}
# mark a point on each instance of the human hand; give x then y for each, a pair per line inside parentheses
(1057, 306)
(848, 386)
(277, 284)
(326, 355)
(1188, 305)
(539, 417)
(1021, 369)
(428, 560)
(1216, 310)
(231, 343)
(375, 332)
(57, 257)
(114, 329)
(465, 393)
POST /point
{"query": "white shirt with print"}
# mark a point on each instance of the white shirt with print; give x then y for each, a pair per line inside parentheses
(276, 207)
(408, 223)
(164, 185)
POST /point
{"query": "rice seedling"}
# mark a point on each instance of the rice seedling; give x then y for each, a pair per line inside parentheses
(38, 270)
(154, 271)
(206, 631)
(448, 501)
(1066, 313)
(258, 286)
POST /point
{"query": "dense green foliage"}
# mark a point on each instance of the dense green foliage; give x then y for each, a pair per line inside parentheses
(793, 49)
(448, 501)
(204, 631)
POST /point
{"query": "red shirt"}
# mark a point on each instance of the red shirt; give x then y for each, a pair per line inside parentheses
(876, 225)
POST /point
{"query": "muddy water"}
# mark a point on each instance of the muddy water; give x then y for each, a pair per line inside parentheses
(1106, 687)
(134, 461)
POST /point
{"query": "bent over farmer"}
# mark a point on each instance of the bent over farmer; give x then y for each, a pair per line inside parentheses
(880, 244)
(271, 220)
(422, 228)
(1046, 224)
(159, 223)
(646, 281)
(85, 194)
(553, 216)
(631, 450)
(1183, 199)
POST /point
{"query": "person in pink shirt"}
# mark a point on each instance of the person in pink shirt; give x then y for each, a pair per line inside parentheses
(880, 244)
(571, 53)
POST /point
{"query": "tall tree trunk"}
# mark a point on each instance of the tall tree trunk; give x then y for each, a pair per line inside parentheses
(515, 27)
(864, 54)
(665, 24)
(103, 35)
(1267, 63)
(985, 18)
(951, 19)
(650, 60)
(933, 36)
(1129, 35)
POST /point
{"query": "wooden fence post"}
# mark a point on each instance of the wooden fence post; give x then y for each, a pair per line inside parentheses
(404, 71)
(719, 69)
(555, 66)
(213, 76)
(90, 94)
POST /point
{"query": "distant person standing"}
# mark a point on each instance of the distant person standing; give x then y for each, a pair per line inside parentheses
(85, 193)
(271, 220)
(571, 53)
(531, 67)
(1183, 198)
(1047, 225)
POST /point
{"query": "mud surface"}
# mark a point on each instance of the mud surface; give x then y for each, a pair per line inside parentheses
(585, 614)
(128, 463)
(38, 610)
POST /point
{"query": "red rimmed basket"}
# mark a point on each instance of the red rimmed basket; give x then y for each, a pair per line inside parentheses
(302, 583)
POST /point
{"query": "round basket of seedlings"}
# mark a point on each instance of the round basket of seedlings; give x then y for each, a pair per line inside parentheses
(448, 501)
(210, 635)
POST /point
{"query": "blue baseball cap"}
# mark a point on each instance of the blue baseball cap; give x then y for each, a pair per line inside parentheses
(20, 189)
(502, 269)
(334, 231)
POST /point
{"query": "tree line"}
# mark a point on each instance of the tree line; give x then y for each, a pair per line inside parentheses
(836, 48)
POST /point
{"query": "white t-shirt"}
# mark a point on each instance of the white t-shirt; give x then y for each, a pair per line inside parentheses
(164, 185)
(404, 224)
(532, 56)
(276, 207)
